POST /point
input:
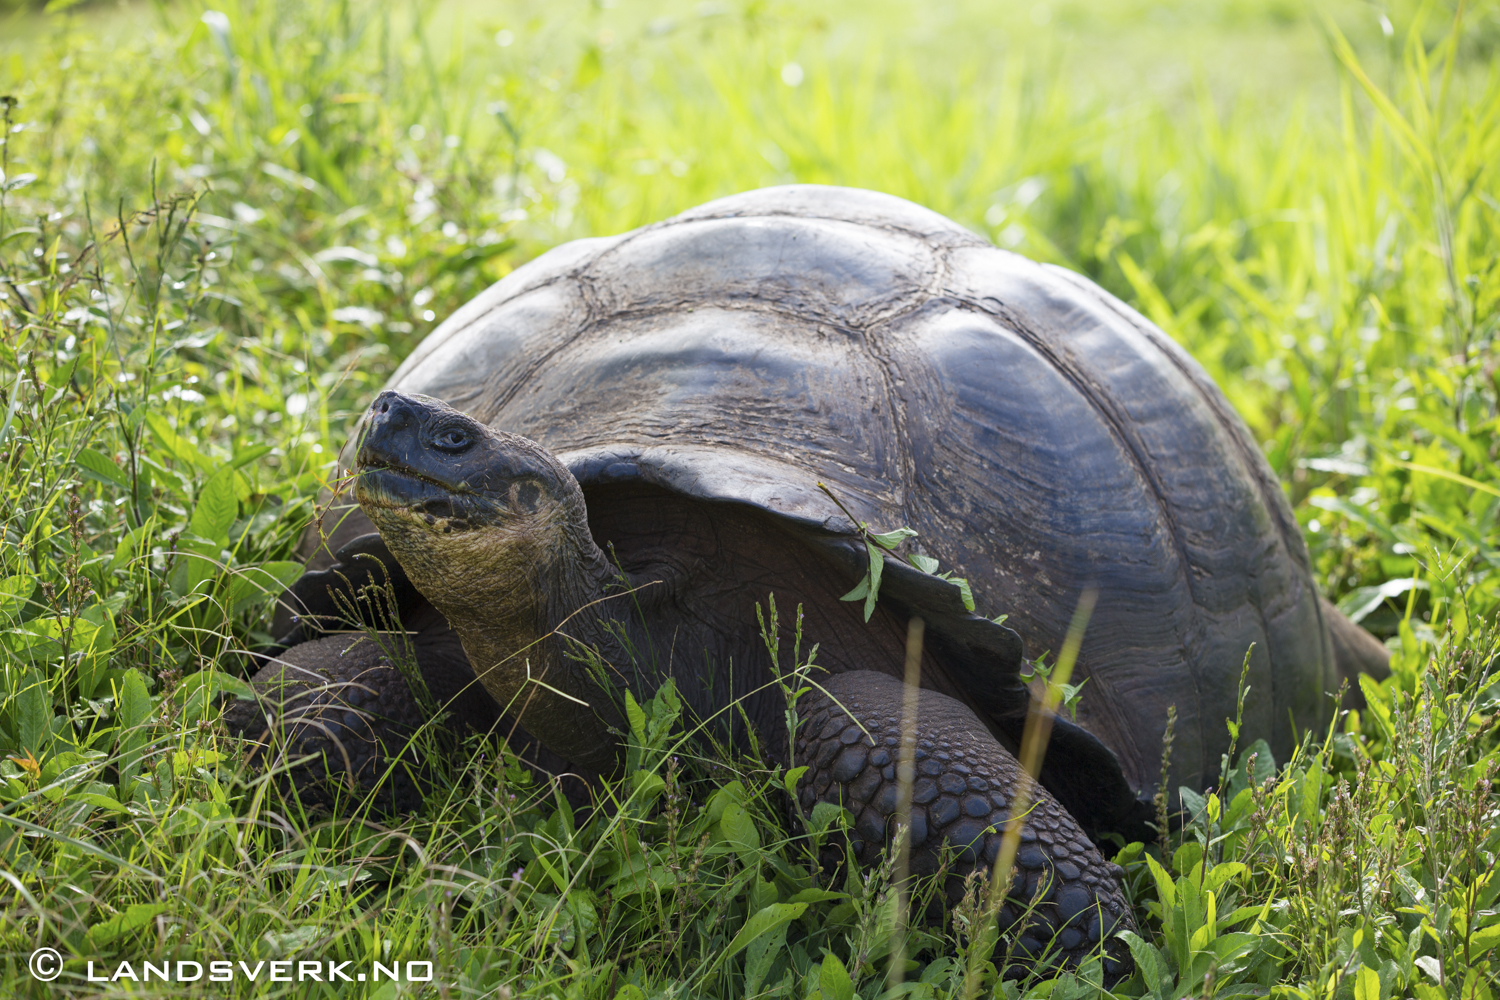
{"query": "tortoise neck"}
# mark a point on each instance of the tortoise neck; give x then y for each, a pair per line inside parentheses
(528, 631)
(520, 589)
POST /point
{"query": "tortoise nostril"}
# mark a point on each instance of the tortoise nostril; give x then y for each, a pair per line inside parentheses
(385, 407)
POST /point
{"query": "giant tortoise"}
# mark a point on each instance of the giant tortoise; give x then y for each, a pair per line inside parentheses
(631, 441)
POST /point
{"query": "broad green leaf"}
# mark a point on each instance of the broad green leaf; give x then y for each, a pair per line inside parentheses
(136, 916)
(648, 785)
(636, 716)
(1192, 979)
(732, 793)
(472, 256)
(197, 564)
(37, 642)
(1312, 794)
(101, 468)
(134, 702)
(760, 955)
(1223, 872)
(14, 592)
(106, 802)
(825, 814)
(1166, 889)
(249, 455)
(790, 779)
(891, 539)
(1484, 939)
(877, 564)
(964, 592)
(61, 379)
(131, 545)
(926, 564)
(1358, 514)
(563, 817)
(1366, 984)
(1229, 947)
(197, 692)
(1195, 805)
(556, 877)
(741, 833)
(29, 704)
(19, 181)
(180, 448)
(1246, 773)
(775, 916)
(869, 587)
(216, 509)
(94, 639)
(589, 67)
(833, 979)
(762, 894)
(1240, 914)
(184, 761)
(1360, 602)
(1203, 934)
(250, 585)
(59, 765)
(860, 590)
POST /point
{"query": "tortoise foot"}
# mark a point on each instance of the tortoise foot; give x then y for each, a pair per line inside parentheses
(1065, 901)
(340, 701)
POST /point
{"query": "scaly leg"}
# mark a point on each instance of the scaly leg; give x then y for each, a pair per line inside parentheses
(964, 785)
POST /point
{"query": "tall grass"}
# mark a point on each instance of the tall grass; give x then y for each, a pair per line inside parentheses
(218, 237)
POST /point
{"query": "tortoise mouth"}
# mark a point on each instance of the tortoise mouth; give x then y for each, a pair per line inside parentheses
(394, 488)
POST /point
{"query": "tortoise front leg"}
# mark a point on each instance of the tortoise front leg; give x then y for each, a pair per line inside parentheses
(965, 782)
(341, 701)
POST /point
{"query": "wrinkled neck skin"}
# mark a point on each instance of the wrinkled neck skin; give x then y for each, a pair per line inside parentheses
(523, 597)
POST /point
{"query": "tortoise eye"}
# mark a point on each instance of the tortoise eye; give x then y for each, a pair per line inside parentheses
(453, 439)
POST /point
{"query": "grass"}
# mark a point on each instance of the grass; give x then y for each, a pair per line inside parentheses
(218, 237)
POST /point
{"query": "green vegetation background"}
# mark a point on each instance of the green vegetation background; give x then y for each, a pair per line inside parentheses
(221, 230)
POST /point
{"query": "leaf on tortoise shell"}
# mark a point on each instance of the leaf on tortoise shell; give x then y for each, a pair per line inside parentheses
(891, 539)
(927, 564)
(869, 587)
(860, 590)
(877, 563)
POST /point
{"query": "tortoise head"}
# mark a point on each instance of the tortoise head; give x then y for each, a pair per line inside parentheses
(492, 529)
(475, 516)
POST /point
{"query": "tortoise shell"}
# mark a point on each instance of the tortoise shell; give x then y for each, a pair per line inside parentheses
(1040, 436)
